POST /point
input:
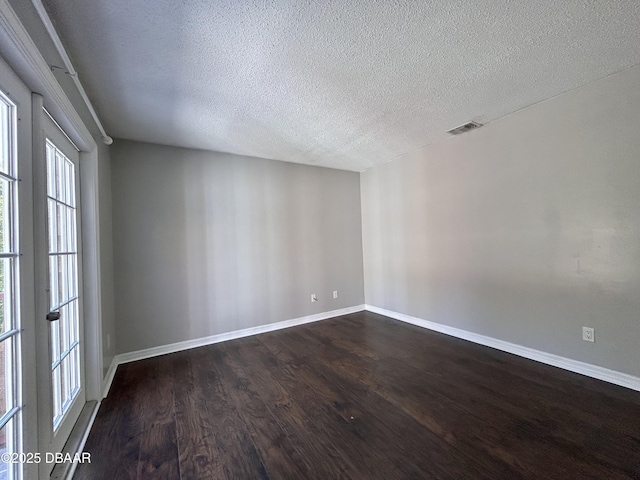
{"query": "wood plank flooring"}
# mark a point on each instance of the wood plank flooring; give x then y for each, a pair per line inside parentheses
(359, 397)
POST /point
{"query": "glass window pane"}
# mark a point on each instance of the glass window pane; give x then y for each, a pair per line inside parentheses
(5, 320)
(63, 179)
(53, 233)
(73, 283)
(73, 369)
(58, 282)
(63, 279)
(62, 194)
(74, 231)
(6, 245)
(68, 223)
(6, 375)
(72, 324)
(69, 181)
(54, 328)
(8, 471)
(5, 136)
(59, 176)
(51, 168)
(76, 322)
(4, 447)
(4, 215)
(64, 328)
(64, 227)
(55, 174)
(57, 404)
(53, 281)
(64, 381)
(6, 295)
(61, 233)
(72, 184)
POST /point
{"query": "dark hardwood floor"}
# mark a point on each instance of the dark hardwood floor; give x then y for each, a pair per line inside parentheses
(363, 397)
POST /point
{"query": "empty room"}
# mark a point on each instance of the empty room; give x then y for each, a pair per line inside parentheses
(317, 240)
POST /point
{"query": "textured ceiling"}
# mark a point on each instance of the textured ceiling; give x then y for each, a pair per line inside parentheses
(343, 84)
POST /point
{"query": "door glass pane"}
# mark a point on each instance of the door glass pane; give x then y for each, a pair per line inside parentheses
(63, 281)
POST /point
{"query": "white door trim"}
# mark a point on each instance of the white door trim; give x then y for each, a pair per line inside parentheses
(92, 310)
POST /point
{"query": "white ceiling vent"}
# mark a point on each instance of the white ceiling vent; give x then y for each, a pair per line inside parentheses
(464, 128)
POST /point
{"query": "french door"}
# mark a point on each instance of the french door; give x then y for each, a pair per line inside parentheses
(10, 328)
(18, 384)
(63, 282)
(61, 375)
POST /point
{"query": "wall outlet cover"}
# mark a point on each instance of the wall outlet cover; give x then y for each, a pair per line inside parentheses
(588, 334)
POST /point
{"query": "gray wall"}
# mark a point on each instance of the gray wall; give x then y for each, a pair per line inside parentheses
(524, 230)
(206, 243)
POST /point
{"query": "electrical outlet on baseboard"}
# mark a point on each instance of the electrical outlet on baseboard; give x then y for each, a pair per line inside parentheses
(588, 334)
(314, 297)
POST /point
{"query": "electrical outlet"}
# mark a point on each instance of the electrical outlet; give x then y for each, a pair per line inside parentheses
(314, 297)
(588, 334)
(335, 294)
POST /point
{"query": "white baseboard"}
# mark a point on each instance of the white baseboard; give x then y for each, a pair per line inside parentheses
(587, 369)
(108, 379)
(83, 441)
(222, 337)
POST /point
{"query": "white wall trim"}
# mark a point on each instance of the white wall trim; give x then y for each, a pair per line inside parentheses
(108, 378)
(91, 276)
(83, 440)
(222, 337)
(587, 369)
